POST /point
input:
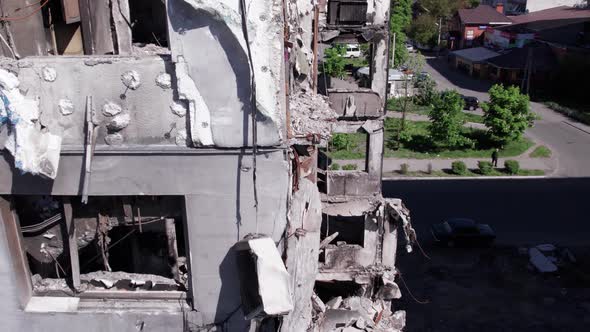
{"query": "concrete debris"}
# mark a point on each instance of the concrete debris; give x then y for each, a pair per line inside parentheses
(390, 290)
(108, 284)
(164, 81)
(49, 236)
(150, 49)
(181, 137)
(49, 74)
(66, 107)
(131, 79)
(311, 114)
(540, 262)
(178, 108)
(114, 139)
(119, 122)
(546, 248)
(269, 282)
(317, 303)
(111, 109)
(334, 303)
(35, 150)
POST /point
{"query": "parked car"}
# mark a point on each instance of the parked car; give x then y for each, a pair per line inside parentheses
(462, 231)
(353, 51)
(471, 103)
(410, 47)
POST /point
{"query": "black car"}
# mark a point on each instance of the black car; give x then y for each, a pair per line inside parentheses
(462, 231)
(471, 103)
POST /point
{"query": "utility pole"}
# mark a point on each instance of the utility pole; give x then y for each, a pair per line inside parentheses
(393, 53)
(439, 33)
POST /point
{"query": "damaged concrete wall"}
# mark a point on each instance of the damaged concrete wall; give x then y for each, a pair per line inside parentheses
(213, 30)
(302, 252)
(223, 219)
(145, 113)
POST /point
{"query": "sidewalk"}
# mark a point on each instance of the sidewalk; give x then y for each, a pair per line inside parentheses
(391, 165)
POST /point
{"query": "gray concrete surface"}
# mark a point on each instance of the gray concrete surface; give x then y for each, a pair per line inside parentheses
(569, 140)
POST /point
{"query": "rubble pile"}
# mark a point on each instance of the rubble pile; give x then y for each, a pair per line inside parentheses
(356, 313)
(547, 258)
(311, 114)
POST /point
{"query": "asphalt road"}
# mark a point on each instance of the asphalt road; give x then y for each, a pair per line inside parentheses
(527, 211)
(569, 140)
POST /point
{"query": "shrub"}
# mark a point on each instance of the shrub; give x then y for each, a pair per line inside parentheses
(512, 166)
(485, 167)
(342, 142)
(335, 166)
(404, 168)
(349, 167)
(458, 167)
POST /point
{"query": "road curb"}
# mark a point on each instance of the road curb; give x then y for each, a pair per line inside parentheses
(442, 178)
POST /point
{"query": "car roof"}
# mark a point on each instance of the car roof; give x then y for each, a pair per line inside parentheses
(461, 222)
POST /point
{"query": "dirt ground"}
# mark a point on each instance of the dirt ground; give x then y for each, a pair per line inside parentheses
(492, 289)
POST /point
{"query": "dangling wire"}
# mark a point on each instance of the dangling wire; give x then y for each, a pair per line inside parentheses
(253, 105)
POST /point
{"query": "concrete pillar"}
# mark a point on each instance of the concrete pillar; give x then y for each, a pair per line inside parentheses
(374, 159)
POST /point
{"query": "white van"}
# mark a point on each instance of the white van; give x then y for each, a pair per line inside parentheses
(352, 51)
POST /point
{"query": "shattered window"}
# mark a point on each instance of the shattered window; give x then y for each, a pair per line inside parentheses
(119, 244)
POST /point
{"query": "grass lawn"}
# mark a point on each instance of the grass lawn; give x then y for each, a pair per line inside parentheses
(471, 172)
(420, 147)
(394, 106)
(540, 151)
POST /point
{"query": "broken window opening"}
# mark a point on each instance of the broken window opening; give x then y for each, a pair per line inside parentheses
(122, 244)
(345, 152)
(326, 291)
(345, 65)
(61, 20)
(350, 229)
(347, 12)
(148, 21)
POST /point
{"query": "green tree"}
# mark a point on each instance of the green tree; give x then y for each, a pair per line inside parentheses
(507, 115)
(334, 61)
(342, 142)
(424, 30)
(473, 3)
(426, 90)
(413, 66)
(446, 120)
(401, 16)
(441, 8)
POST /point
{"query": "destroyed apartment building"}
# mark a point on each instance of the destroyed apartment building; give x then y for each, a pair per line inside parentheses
(166, 167)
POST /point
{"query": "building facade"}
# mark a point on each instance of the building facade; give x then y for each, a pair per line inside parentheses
(148, 143)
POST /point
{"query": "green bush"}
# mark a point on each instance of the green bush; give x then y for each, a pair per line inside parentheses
(512, 166)
(349, 167)
(342, 142)
(335, 166)
(485, 167)
(458, 167)
(404, 168)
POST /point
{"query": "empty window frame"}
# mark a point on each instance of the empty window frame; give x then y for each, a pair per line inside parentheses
(119, 246)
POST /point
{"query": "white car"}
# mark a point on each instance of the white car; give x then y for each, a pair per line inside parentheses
(410, 48)
(353, 51)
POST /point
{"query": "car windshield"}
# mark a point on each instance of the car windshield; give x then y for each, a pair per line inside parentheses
(447, 227)
(461, 223)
